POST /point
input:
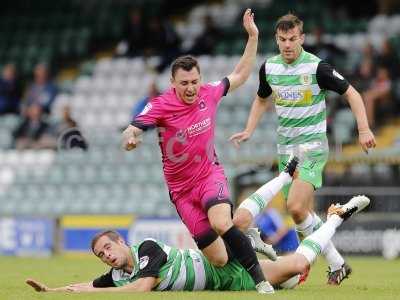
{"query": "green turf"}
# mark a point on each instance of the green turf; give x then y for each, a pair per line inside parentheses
(373, 278)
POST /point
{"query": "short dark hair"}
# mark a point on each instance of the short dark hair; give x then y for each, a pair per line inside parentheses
(186, 63)
(287, 22)
(111, 234)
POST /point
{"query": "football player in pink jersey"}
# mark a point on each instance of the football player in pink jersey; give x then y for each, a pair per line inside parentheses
(185, 117)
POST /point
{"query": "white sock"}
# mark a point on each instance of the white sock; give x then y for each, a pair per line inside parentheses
(305, 228)
(274, 186)
(260, 198)
(335, 220)
(314, 244)
(333, 257)
(291, 283)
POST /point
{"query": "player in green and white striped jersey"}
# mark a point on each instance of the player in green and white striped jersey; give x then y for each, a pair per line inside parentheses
(175, 269)
(297, 82)
(154, 266)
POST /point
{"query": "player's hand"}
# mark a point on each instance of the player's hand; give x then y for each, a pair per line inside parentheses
(366, 139)
(239, 137)
(39, 287)
(249, 24)
(129, 140)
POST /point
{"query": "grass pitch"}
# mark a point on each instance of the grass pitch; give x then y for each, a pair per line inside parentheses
(372, 279)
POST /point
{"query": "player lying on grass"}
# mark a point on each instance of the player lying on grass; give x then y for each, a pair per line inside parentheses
(152, 265)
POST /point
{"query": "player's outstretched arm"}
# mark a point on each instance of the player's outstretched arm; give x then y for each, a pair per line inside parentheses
(41, 287)
(140, 285)
(366, 137)
(144, 284)
(243, 68)
(131, 137)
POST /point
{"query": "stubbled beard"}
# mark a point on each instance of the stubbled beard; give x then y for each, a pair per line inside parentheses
(122, 267)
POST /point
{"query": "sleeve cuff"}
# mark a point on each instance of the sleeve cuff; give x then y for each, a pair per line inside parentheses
(148, 274)
(345, 89)
(142, 126)
(262, 96)
(226, 84)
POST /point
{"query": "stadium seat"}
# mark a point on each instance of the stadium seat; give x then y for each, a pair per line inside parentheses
(343, 126)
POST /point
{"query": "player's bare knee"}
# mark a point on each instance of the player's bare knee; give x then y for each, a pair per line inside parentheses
(297, 211)
(220, 218)
(221, 225)
(218, 260)
(240, 223)
(242, 219)
(301, 265)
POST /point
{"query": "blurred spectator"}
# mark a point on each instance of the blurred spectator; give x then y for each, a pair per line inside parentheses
(364, 74)
(42, 91)
(141, 103)
(134, 34)
(155, 37)
(365, 69)
(389, 59)
(34, 131)
(10, 91)
(161, 39)
(68, 133)
(205, 43)
(374, 78)
(275, 232)
(388, 7)
(328, 52)
(379, 91)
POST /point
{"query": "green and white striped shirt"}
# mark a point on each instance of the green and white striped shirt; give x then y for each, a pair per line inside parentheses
(298, 91)
(183, 270)
(177, 270)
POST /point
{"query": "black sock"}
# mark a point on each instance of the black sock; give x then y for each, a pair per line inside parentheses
(243, 251)
(229, 252)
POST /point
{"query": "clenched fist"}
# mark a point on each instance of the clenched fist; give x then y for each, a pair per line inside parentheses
(130, 138)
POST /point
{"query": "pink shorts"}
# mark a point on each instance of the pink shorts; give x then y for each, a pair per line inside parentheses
(192, 205)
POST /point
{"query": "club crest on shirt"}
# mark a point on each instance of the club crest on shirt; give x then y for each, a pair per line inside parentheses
(306, 79)
(146, 109)
(202, 105)
(143, 261)
(181, 135)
